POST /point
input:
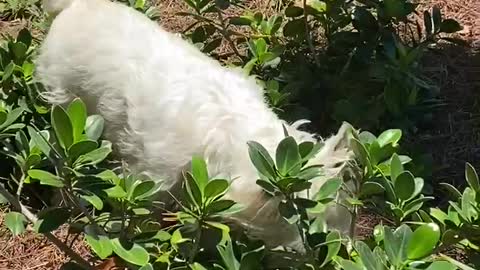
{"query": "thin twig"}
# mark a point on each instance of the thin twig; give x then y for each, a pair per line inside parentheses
(227, 35)
(17, 205)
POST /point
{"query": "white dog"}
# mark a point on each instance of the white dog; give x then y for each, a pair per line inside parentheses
(164, 101)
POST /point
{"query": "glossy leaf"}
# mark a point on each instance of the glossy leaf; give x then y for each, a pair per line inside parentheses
(135, 254)
(391, 136)
(15, 222)
(46, 178)
(261, 159)
(200, 172)
(52, 218)
(404, 185)
(94, 127)
(62, 126)
(215, 188)
(288, 156)
(78, 115)
(424, 239)
(472, 177)
(441, 265)
(329, 188)
(396, 167)
(334, 239)
(100, 244)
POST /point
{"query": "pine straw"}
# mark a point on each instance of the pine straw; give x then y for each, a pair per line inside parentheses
(33, 251)
(454, 136)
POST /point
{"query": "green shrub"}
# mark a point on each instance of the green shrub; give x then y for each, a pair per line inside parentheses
(359, 61)
(119, 212)
(61, 151)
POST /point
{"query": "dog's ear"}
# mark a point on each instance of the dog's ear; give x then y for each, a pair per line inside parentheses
(343, 137)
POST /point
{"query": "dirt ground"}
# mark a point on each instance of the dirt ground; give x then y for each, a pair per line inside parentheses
(453, 138)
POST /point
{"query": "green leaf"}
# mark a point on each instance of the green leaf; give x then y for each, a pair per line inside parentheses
(419, 183)
(441, 265)
(63, 127)
(472, 177)
(11, 118)
(392, 247)
(305, 148)
(427, 20)
(405, 185)
(288, 157)
(212, 45)
(46, 178)
(93, 200)
(450, 26)
(200, 172)
(439, 215)
(387, 185)
(193, 190)
(329, 188)
(361, 152)
(240, 21)
(25, 37)
(142, 189)
(396, 167)
(116, 192)
(228, 257)
(100, 245)
(222, 4)
(195, 266)
(94, 127)
(219, 206)
(80, 148)
(149, 266)
(15, 222)
(288, 211)
(223, 228)
(294, 28)
(96, 156)
(371, 188)
(436, 18)
(375, 152)
(368, 259)
(293, 11)
(18, 49)
(403, 235)
(349, 265)
(78, 115)
(40, 140)
(424, 239)
(3, 117)
(52, 218)
(468, 200)
(215, 188)
(391, 136)
(261, 160)
(334, 239)
(363, 20)
(134, 254)
(452, 190)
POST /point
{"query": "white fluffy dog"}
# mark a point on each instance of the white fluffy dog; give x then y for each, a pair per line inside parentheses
(164, 101)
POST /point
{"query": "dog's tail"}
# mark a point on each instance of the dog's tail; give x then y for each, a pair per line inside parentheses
(54, 7)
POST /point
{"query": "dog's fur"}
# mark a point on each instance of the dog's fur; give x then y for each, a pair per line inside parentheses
(164, 101)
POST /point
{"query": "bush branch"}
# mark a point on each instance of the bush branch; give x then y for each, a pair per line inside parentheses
(31, 217)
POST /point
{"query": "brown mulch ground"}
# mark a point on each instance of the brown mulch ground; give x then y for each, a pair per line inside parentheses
(454, 139)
